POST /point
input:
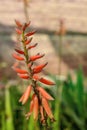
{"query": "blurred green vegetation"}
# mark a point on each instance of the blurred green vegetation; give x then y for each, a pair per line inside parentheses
(69, 106)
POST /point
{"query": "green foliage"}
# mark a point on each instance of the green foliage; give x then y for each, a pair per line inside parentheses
(69, 106)
(8, 111)
(73, 105)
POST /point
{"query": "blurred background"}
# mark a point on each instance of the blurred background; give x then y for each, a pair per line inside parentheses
(62, 35)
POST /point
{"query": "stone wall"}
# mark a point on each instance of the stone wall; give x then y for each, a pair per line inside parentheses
(46, 13)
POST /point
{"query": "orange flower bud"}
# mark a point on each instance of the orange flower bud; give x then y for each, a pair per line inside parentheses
(33, 58)
(30, 64)
(47, 108)
(23, 76)
(18, 31)
(19, 51)
(38, 68)
(17, 57)
(36, 77)
(30, 33)
(36, 107)
(18, 23)
(18, 70)
(44, 93)
(26, 95)
(45, 81)
(32, 46)
(26, 25)
(28, 41)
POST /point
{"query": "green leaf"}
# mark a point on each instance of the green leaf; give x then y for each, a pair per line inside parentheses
(8, 111)
(80, 92)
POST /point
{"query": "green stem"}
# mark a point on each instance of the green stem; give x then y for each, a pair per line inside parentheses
(25, 49)
(3, 120)
(33, 82)
(26, 55)
(8, 110)
(60, 54)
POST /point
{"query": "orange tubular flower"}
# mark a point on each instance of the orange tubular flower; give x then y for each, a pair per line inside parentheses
(33, 58)
(31, 109)
(30, 33)
(17, 57)
(36, 77)
(18, 23)
(39, 102)
(44, 93)
(23, 76)
(47, 108)
(26, 95)
(45, 81)
(42, 115)
(20, 70)
(19, 51)
(32, 46)
(18, 31)
(26, 25)
(38, 68)
(36, 107)
(28, 41)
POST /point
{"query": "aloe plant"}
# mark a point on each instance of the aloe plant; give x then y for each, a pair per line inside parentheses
(74, 104)
(69, 106)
